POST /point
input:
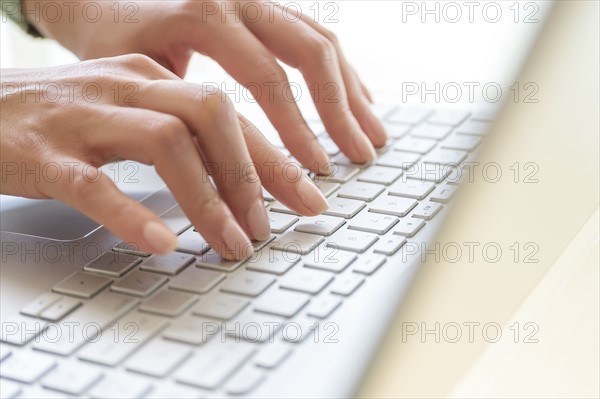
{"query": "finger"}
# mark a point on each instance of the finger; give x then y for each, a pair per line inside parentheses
(251, 64)
(210, 116)
(306, 49)
(164, 140)
(358, 96)
(280, 176)
(85, 188)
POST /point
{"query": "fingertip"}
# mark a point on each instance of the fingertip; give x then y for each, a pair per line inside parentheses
(159, 237)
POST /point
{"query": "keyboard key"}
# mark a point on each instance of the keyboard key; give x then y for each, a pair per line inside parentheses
(485, 114)
(83, 285)
(258, 245)
(368, 264)
(220, 306)
(176, 220)
(130, 248)
(280, 222)
(72, 378)
(306, 280)
(60, 309)
(212, 260)
(300, 329)
(4, 352)
(18, 330)
(415, 144)
(428, 131)
(326, 187)
(341, 174)
(408, 115)
(171, 263)
(443, 194)
(396, 130)
(381, 110)
(272, 355)
(389, 245)
(213, 363)
(408, 227)
(361, 191)
(254, 327)
(245, 381)
(127, 386)
(37, 306)
(398, 159)
(329, 259)
(73, 331)
(329, 145)
(26, 367)
(474, 128)
(321, 225)
(372, 222)
(427, 210)
(450, 117)
(129, 333)
(112, 264)
(167, 303)
(461, 142)
(274, 262)
(197, 281)
(323, 306)
(343, 207)
(391, 205)
(192, 330)
(411, 189)
(445, 157)
(281, 303)
(158, 358)
(247, 283)
(380, 175)
(191, 242)
(429, 172)
(347, 284)
(354, 241)
(279, 207)
(172, 390)
(267, 196)
(9, 389)
(139, 283)
(297, 242)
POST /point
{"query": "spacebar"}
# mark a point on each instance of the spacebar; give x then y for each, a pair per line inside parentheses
(84, 324)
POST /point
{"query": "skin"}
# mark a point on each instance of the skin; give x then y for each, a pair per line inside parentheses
(147, 113)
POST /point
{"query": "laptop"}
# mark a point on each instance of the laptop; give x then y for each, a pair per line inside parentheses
(85, 315)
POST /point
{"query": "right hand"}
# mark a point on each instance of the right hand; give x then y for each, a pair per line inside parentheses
(79, 117)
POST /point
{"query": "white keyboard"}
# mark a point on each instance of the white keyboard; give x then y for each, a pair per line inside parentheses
(190, 324)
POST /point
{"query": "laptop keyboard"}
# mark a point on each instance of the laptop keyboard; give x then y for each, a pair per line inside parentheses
(180, 325)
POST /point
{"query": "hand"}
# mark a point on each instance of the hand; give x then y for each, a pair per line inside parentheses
(65, 122)
(246, 38)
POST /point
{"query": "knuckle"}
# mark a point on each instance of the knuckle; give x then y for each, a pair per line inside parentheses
(80, 187)
(208, 204)
(270, 71)
(332, 37)
(322, 48)
(168, 132)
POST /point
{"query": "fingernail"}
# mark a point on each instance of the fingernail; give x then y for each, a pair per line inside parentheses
(320, 158)
(159, 237)
(363, 146)
(310, 196)
(258, 222)
(237, 244)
